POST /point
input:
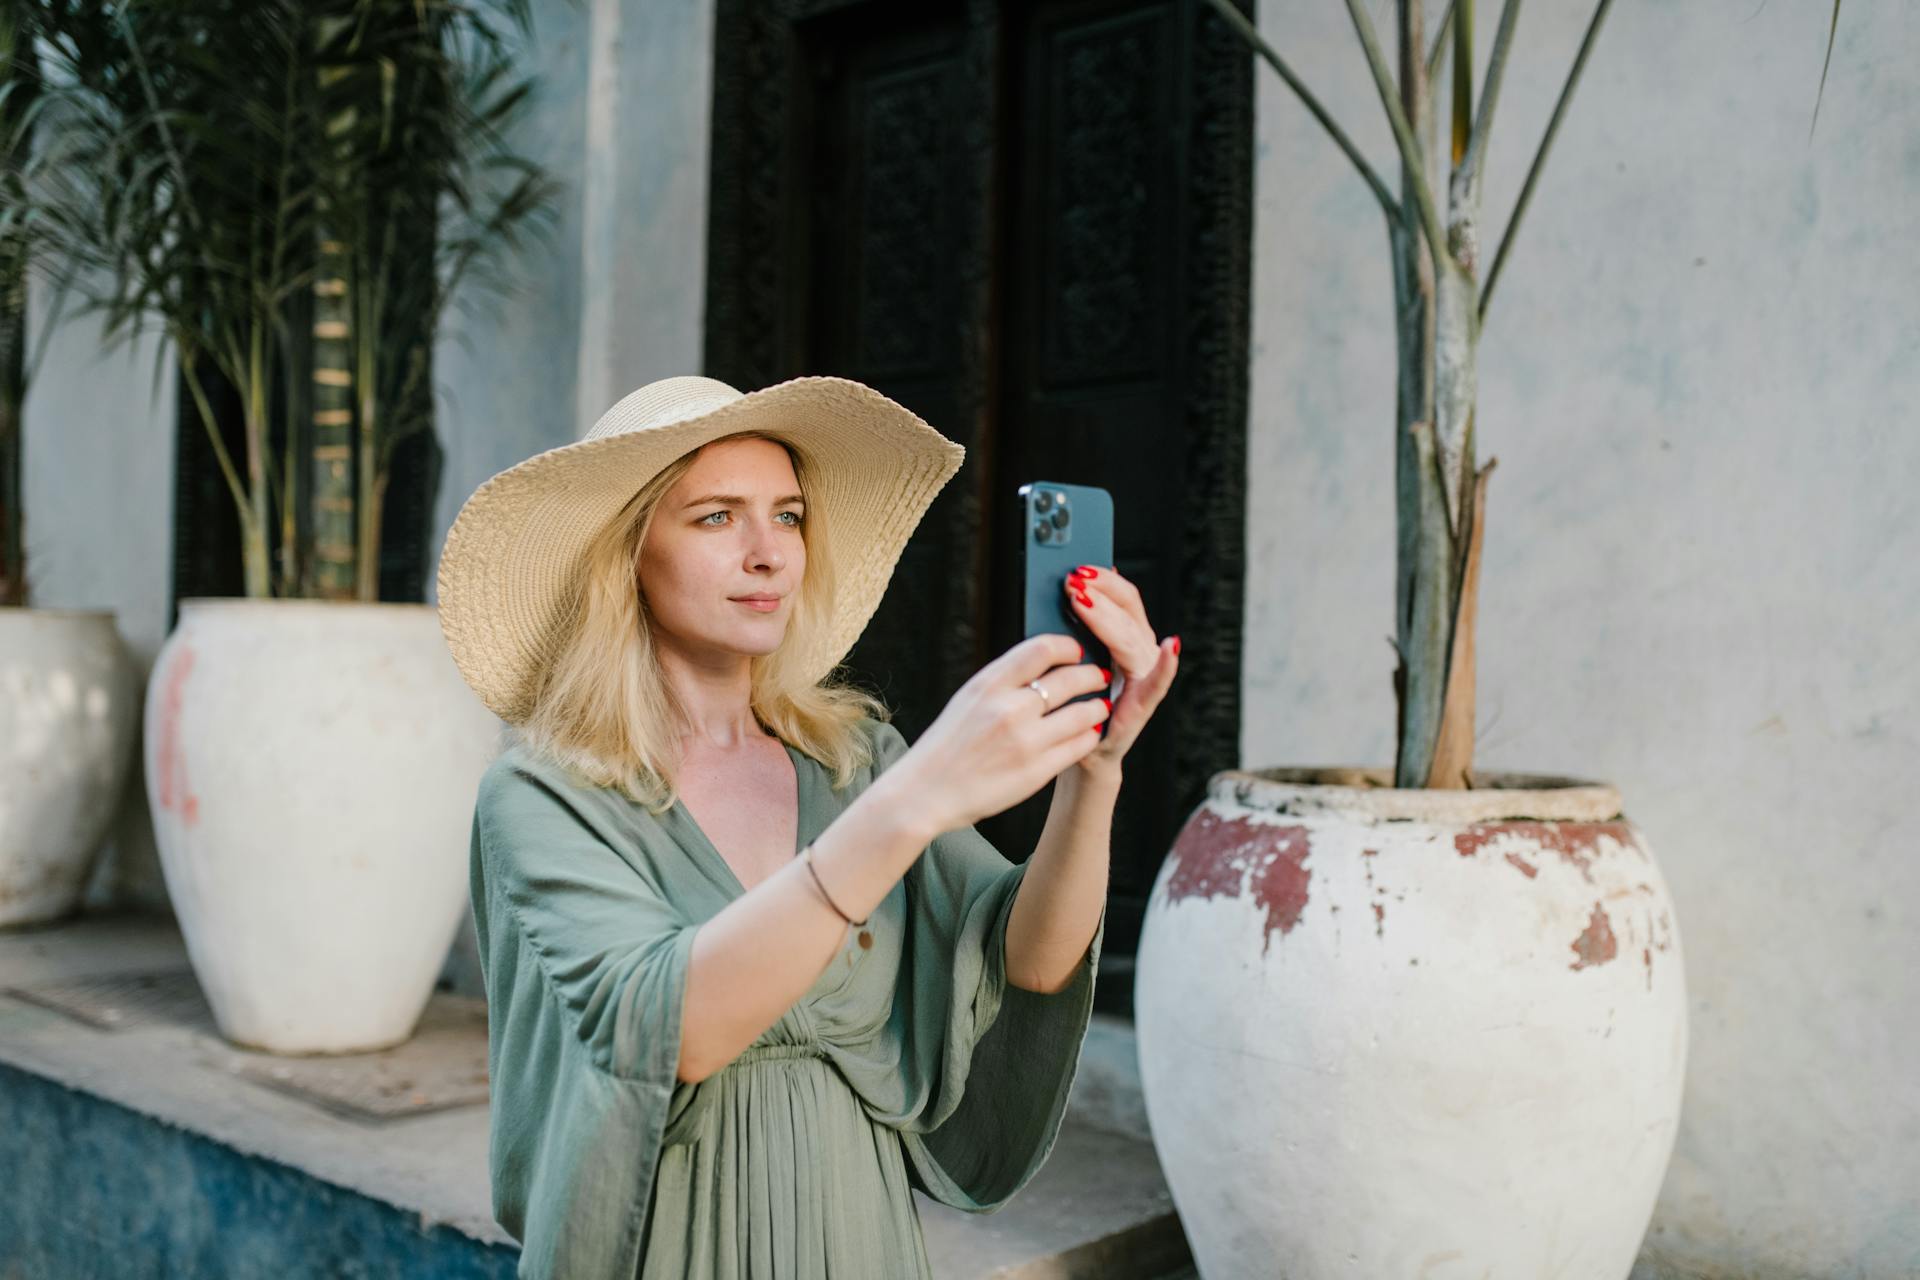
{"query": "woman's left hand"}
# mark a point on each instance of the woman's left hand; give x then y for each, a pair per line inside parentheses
(1110, 607)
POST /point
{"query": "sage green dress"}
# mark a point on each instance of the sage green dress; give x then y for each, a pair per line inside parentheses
(909, 1065)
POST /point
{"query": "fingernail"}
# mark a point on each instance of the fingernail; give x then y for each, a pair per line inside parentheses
(1087, 571)
(1109, 701)
(1176, 646)
(1106, 676)
(1083, 652)
(1081, 596)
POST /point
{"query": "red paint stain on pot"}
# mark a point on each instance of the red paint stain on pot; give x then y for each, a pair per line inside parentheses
(1646, 958)
(1596, 943)
(1215, 856)
(1379, 920)
(176, 796)
(1527, 869)
(1576, 843)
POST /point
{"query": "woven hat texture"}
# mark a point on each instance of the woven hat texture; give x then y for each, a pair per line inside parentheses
(509, 562)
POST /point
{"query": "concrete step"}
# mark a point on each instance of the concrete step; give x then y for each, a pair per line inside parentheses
(140, 1142)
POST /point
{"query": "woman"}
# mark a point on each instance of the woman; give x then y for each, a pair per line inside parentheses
(752, 974)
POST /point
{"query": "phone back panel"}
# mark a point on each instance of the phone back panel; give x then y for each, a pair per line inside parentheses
(1063, 526)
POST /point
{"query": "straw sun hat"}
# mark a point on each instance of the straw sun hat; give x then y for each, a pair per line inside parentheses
(507, 568)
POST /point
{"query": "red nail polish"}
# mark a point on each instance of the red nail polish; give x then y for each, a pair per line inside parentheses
(1176, 646)
(1087, 571)
(1106, 676)
(1081, 596)
(1109, 701)
(1083, 651)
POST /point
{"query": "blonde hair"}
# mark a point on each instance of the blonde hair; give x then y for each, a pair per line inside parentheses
(604, 709)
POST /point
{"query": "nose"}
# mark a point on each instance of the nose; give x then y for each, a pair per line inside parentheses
(764, 551)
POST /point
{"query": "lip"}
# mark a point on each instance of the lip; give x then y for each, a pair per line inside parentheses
(759, 600)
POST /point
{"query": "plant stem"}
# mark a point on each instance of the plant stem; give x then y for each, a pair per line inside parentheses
(1239, 22)
(1440, 37)
(1402, 131)
(1540, 156)
(1462, 77)
(1476, 153)
(211, 421)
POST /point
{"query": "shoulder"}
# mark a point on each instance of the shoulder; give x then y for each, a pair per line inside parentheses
(521, 786)
(510, 772)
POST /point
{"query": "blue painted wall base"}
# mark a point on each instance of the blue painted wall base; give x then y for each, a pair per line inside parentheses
(95, 1190)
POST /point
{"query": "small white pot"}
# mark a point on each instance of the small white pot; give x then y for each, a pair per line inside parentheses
(312, 768)
(69, 701)
(1390, 1033)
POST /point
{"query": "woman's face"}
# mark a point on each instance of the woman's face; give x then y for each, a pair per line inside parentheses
(727, 532)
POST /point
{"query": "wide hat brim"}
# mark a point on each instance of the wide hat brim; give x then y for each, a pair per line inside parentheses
(508, 567)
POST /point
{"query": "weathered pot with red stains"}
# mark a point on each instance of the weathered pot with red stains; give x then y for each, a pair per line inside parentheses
(312, 767)
(69, 701)
(1390, 1033)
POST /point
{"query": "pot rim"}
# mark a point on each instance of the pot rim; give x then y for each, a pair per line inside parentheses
(45, 611)
(1360, 791)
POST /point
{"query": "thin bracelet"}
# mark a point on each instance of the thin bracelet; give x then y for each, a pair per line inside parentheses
(806, 855)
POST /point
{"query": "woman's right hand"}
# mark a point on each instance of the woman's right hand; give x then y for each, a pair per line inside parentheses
(996, 742)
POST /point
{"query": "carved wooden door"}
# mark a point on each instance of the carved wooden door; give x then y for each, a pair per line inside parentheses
(1028, 222)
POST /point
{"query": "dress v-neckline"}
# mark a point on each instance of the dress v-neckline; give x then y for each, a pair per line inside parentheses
(706, 845)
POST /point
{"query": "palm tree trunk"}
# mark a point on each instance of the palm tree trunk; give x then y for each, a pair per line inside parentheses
(334, 561)
(332, 566)
(1423, 584)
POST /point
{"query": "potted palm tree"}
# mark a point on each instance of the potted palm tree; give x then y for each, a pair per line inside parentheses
(1405, 1013)
(294, 193)
(69, 692)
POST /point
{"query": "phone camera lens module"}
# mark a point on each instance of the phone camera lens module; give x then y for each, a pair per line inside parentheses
(1043, 501)
(1060, 517)
(1042, 530)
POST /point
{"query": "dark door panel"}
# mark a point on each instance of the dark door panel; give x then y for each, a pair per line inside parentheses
(1030, 223)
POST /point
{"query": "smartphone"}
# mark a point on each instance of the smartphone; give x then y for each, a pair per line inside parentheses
(1064, 526)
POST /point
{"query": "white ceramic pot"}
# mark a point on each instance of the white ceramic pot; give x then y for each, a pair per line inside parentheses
(312, 768)
(69, 702)
(1394, 1033)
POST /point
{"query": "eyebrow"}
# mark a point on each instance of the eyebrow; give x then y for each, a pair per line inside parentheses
(735, 500)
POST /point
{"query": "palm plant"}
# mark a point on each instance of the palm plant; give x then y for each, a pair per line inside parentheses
(224, 162)
(401, 116)
(1440, 297)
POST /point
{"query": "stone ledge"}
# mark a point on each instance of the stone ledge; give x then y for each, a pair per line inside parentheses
(377, 1163)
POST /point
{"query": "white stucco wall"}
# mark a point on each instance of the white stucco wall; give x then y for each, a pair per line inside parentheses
(1701, 581)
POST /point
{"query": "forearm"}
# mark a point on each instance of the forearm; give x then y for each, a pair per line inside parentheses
(764, 950)
(1064, 889)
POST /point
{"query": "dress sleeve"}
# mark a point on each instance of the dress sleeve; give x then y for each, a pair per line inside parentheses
(989, 1065)
(585, 964)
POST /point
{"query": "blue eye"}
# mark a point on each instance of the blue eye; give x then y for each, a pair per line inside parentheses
(798, 518)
